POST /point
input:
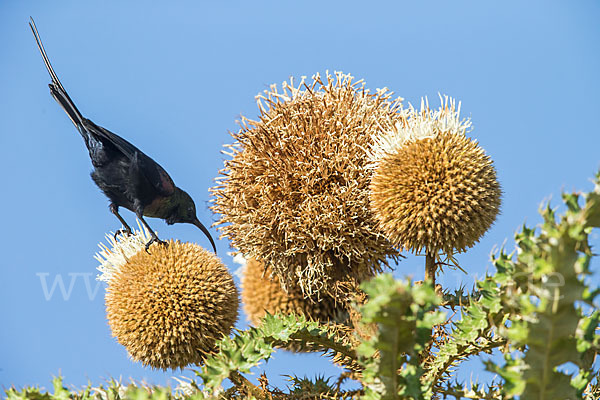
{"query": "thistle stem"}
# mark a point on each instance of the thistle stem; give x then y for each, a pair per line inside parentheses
(245, 385)
(430, 268)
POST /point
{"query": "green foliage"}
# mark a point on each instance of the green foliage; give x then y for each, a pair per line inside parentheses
(60, 393)
(473, 334)
(405, 315)
(315, 388)
(544, 297)
(113, 391)
(248, 348)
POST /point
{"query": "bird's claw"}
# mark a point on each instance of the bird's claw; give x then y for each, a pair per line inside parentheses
(155, 239)
(126, 232)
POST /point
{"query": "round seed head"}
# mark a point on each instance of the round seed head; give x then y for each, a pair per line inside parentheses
(169, 307)
(434, 188)
(262, 293)
(295, 193)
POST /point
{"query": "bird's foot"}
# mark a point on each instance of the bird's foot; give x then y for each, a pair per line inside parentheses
(155, 239)
(126, 232)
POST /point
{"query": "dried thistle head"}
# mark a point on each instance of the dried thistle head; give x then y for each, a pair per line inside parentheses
(262, 293)
(170, 306)
(295, 193)
(433, 188)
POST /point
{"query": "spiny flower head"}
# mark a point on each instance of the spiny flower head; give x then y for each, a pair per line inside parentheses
(295, 193)
(170, 305)
(262, 293)
(433, 188)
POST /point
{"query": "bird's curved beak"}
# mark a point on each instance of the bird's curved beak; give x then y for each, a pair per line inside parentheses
(203, 229)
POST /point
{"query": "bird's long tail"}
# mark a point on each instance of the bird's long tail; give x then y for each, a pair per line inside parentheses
(56, 88)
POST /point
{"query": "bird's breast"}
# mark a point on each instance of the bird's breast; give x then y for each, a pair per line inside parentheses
(158, 208)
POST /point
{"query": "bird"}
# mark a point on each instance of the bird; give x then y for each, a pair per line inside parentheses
(128, 177)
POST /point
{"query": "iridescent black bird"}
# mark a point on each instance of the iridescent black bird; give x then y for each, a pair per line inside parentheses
(127, 176)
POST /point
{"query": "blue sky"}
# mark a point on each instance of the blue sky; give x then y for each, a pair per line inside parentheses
(174, 79)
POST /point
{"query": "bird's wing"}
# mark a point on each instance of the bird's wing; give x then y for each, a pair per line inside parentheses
(156, 175)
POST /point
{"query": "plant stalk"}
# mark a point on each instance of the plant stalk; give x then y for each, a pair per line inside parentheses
(430, 268)
(245, 385)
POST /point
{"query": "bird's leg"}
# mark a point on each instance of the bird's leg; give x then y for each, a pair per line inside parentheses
(115, 210)
(154, 238)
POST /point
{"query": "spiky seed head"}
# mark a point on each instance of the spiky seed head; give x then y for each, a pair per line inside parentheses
(170, 306)
(262, 293)
(433, 188)
(295, 193)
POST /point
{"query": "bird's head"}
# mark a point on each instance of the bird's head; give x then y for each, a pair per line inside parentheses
(184, 208)
(184, 211)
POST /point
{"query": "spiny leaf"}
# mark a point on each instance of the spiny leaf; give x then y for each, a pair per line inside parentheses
(549, 282)
(247, 349)
(405, 316)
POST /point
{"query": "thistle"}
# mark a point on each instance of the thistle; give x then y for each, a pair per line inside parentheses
(295, 193)
(262, 293)
(433, 189)
(170, 306)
